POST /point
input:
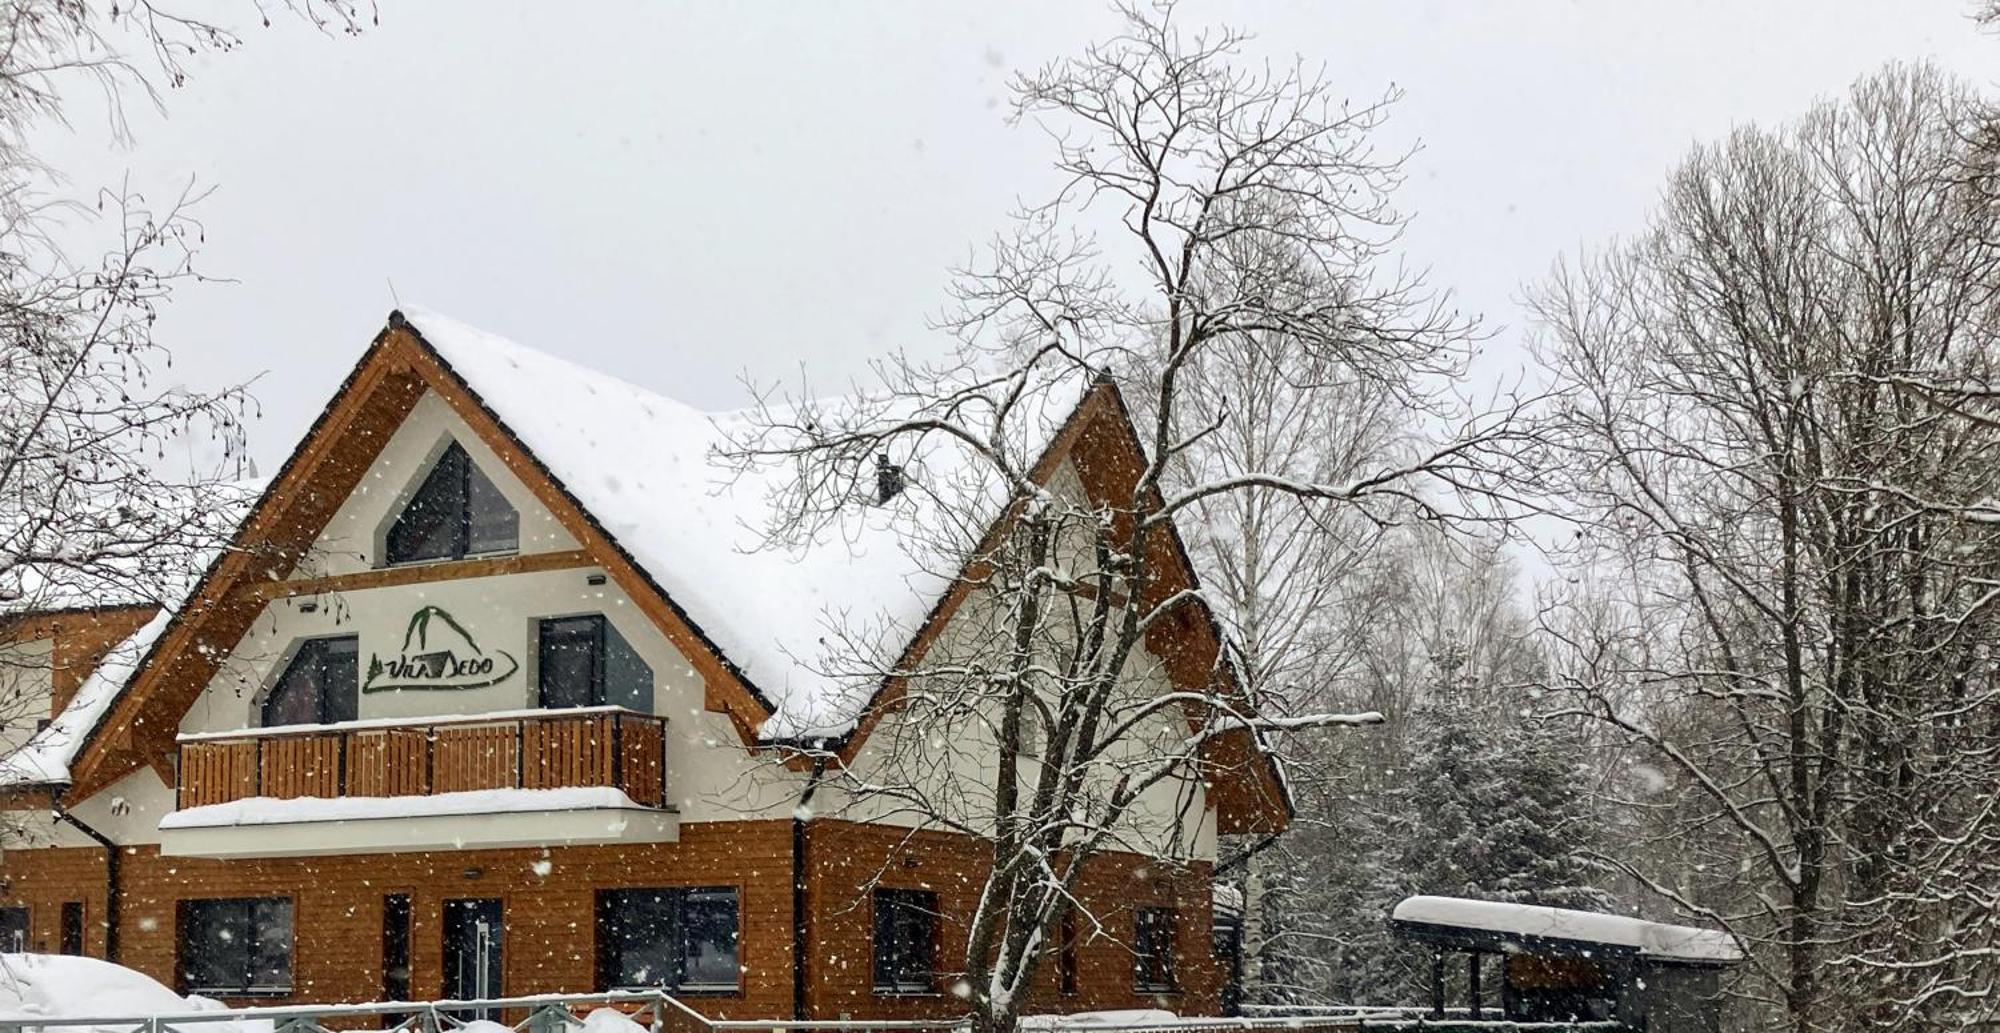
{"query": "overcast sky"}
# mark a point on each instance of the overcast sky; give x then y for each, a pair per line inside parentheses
(680, 192)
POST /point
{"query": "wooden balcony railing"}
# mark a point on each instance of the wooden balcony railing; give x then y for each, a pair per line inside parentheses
(544, 749)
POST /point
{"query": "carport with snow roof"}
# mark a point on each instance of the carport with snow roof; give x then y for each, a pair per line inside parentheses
(1562, 965)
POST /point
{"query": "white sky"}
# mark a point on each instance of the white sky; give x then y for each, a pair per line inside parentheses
(679, 192)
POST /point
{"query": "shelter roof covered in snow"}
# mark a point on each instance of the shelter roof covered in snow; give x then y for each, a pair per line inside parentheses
(1539, 927)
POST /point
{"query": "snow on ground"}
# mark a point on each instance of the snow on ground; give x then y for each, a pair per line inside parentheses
(1117, 1018)
(610, 1020)
(50, 986)
(46, 986)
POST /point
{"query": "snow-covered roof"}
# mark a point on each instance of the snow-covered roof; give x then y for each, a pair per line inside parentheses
(644, 466)
(1530, 921)
(46, 757)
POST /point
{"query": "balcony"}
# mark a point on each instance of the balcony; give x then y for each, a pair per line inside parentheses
(539, 777)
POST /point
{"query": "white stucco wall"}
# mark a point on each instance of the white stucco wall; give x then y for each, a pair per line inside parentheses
(352, 540)
(710, 775)
(26, 681)
(953, 764)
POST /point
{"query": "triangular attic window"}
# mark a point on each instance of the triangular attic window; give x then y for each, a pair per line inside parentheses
(456, 513)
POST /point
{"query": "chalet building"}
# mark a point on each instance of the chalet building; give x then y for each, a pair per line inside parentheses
(481, 700)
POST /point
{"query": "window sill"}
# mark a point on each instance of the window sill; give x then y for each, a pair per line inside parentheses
(220, 993)
(1157, 991)
(683, 991)
(890, 991)
(494, 555)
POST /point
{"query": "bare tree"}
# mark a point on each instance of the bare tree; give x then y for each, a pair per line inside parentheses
(1208, 208)
(1790, 548)
(93, 511)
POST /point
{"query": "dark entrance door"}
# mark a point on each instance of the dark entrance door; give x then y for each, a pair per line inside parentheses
(13, 929)
(472, 942)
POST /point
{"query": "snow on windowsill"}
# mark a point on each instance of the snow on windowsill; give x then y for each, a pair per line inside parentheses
(266, 810)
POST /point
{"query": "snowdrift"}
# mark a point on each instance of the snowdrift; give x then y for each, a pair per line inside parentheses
(55, 986)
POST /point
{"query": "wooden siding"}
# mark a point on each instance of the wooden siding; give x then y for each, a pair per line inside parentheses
(549, 905)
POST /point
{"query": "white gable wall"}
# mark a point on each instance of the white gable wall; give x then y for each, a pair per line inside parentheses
(710, 775)
(352, 540)
(26, 684)
(954, 763)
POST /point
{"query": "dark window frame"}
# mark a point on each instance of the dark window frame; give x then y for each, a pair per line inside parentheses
(676, 899)
(1155, 931)
(71, 935)
(597, 692)
(1066, 958)
(1226, 935)
(254, 910)
(314, 650)
(397, 927)
(464, 477)
(23, 931)
(903, 941)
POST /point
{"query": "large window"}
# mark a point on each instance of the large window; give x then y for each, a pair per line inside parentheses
(682, 939)
(584, 662)
(236, 946)
(905, 941)
(72, 927)
(396, 947)
(320, 685)
(456, 513)
(1066, 955)
(1153, 949)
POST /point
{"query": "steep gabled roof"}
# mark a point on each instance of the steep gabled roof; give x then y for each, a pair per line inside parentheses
(628, 473)
(642, 465)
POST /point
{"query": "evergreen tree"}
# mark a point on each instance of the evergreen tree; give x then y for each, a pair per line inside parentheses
(1491, 807)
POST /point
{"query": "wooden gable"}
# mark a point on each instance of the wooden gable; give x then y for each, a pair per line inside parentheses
(1101, 441)
(395, 372)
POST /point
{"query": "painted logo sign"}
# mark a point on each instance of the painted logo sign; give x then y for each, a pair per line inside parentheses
(438, 653)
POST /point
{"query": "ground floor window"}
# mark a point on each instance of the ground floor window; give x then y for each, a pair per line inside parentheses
(14, 929)
(905, 941)
(1153, 949)
(1066, 956)
(396, 947)
(238, 946)
(72, 927)
(680, 938)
